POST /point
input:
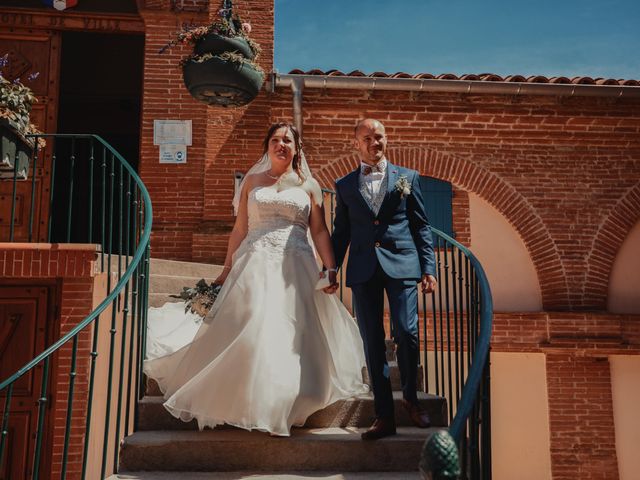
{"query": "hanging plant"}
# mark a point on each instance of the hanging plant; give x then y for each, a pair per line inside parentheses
(222, 69)
(16, 101)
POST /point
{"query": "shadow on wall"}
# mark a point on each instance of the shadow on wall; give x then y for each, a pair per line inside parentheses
(505, 259)
(624, 283)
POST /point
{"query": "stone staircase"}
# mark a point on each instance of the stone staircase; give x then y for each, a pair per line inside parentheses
(329, 445)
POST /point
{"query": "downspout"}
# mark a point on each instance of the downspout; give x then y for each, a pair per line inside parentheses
(297, 87)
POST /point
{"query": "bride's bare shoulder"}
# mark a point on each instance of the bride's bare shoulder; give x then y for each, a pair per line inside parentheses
(251, 181)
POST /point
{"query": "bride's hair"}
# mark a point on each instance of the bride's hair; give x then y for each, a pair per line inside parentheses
(295, 164)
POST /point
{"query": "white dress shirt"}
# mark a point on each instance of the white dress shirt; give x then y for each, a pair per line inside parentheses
(373, 181)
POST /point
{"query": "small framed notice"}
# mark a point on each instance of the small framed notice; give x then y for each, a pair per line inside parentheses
(172, 132)
(173, 154)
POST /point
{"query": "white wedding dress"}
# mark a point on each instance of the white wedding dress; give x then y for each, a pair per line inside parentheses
(273, 349)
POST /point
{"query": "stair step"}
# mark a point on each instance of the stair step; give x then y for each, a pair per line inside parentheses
(265, 476)
(332, 449)
(159, 299)
(394, 371)
(351, 412)
(173, 284)
(187, 269)
(153, 390)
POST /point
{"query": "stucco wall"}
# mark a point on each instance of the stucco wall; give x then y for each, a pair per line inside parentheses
(624, 282)
(625, 387)
(505, 259)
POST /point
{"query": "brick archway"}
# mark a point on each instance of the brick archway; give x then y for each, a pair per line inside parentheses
(493, 189)
(606, 245)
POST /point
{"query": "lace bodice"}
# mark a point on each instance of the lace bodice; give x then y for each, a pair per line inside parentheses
(278, 221)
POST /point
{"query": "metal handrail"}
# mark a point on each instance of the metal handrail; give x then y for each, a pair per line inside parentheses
(481, 354)
(144, 242)
(135, 274)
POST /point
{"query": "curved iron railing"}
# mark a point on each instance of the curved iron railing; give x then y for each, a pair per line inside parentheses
(455, 332)
(93, 184)
(462, 311)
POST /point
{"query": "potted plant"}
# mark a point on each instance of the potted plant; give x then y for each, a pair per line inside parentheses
(16, 148)
(222, 69)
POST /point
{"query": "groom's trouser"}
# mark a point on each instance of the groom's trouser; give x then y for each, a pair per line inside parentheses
(368, 300)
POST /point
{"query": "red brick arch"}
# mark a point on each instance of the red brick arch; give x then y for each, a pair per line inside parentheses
(606, 244)
(493, 189)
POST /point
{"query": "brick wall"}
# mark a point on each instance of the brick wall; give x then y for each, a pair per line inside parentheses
(581, 418)
(73, 268)
(192, 202)
(577, 348)
(565, 172)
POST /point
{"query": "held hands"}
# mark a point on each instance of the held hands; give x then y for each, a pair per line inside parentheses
(333, 281)
(428, 283)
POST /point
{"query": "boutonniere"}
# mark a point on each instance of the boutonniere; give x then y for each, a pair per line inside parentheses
(403, 187)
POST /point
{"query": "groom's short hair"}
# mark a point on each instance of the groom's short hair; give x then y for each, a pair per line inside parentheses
(362, 120)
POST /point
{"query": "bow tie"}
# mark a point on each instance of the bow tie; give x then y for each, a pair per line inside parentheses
(367, 170)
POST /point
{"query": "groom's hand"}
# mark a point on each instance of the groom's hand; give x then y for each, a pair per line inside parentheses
(428, 283)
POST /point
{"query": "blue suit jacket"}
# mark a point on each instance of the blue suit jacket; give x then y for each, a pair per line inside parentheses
(399, 237)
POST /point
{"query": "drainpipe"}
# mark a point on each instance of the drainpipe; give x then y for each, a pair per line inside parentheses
(297, 87)
(298, 82)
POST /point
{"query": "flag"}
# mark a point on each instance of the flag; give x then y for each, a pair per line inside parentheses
(60, 4)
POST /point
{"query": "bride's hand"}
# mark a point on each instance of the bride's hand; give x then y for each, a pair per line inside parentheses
(333, 283)
(222, 277)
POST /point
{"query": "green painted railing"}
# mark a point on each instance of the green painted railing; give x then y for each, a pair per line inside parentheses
(95, 197)
(455, 332)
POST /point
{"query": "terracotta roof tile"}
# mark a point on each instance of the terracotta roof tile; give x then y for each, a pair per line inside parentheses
(447, 76)
(563, 80)
(424, 76)
(491, 77)
(583, 81)
(515, 78)
(400, 75)
(483, 77)
(606, 81)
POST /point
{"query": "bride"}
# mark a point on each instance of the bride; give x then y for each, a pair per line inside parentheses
(273, 349)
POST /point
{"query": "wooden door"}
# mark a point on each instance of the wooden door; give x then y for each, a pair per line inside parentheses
(32, 53)
(23, 334)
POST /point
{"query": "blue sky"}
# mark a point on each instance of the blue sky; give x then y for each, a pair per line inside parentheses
(543, 37)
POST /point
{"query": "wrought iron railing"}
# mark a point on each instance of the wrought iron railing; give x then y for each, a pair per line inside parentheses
(455, 331)
(95, 196)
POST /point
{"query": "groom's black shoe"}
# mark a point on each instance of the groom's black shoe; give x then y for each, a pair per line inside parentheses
(418, 416)
(382, 427)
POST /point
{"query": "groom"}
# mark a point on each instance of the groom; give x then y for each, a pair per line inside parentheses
(380, 213)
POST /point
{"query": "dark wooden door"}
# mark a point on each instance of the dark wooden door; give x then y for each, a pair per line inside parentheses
(23, 335)
(31, 53)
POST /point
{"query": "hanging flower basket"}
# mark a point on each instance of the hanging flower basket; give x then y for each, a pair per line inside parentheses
(222, 69)
(214, 43)
(217, 81)
(14, 149)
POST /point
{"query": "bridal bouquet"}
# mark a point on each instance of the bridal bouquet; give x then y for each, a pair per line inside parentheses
(200, 298)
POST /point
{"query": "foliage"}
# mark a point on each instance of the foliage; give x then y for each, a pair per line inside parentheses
(229, 26)
(200, 298)
(16, 101)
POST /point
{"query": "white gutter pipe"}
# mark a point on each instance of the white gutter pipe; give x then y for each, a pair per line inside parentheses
(298, 82)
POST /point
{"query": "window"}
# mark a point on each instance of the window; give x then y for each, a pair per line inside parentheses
(438, 195)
